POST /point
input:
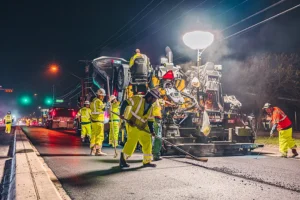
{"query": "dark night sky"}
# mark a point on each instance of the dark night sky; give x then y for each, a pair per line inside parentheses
(36, 33)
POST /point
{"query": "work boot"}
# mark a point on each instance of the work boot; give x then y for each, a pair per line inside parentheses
(100, 153)
(123, 162)
(283, 156)
(156, 158)
(295, 153)
(149, 165)
(93, 151)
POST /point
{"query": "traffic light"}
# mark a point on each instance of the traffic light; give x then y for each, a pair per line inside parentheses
(48, 101)
(25, 100)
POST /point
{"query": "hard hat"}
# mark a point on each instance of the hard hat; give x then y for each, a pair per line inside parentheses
(101, 92)
(267, 105)
(112, 97)
(8, 112)
(137, 51)
(155, 93)
(86, 103)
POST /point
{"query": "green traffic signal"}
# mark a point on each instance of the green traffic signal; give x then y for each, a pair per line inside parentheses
(25, 100)
(48, 101)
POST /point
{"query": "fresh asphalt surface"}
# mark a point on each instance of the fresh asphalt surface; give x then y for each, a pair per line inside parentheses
(89, 177)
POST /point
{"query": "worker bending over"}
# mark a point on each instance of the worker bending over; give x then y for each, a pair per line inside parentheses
(114, 121)
(97, 118)
(284, 127)
(84, 118)
(139, 113)
(8, 120)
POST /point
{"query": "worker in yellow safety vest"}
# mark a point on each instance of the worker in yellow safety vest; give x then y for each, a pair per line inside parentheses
(157, 143)
(84, 118)
(97, 118)
(114, 121)
(8, 120)
(138, 112)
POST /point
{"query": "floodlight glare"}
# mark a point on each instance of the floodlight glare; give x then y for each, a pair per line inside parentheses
(198, 39)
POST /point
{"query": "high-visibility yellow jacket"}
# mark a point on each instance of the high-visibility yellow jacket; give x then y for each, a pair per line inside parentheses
(138, 114)
(157, 109)
(138, 55)
(115, 107)
(97, 108)
(8, 119)
(85, 115)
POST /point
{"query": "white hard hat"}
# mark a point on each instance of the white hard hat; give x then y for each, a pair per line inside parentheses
(267, 105)
(101, 92)
(86, 103)
(112, 97)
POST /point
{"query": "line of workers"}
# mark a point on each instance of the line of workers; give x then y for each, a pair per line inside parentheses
(142, 115)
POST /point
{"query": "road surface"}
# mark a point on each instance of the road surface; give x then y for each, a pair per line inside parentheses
(89, 177)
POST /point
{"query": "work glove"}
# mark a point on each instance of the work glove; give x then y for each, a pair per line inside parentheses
(271, 133)
(153, 134)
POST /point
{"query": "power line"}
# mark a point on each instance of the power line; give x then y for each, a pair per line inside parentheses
(257, 13)
(104, 43)
(137, 22)
(153, 23)
(262, 22)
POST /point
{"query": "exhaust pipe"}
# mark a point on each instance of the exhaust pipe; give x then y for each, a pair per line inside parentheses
(169, 54)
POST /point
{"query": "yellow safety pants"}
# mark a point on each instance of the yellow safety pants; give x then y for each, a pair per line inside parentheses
(7, 128)
(286, 141)
(86, 130)
(114, 133)
(97, 136)
(135, 135)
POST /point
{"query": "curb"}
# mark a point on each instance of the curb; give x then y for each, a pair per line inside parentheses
(32, 180)
(8, 184)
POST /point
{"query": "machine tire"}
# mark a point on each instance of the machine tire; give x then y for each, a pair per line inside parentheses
(122, 78)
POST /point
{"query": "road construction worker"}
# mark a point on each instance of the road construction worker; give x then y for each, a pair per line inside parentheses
(283, 124)
(157, 143)
(27, 122)
(114, 121)
(136, 55)
(8, 120)
(139, 115)
(84, 118)
(97, 118)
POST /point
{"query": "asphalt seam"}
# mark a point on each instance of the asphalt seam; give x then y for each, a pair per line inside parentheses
(31, 173)
(221, 170)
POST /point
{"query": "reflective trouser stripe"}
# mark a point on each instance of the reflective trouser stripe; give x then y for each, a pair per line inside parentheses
(135, 135)
(97, 136)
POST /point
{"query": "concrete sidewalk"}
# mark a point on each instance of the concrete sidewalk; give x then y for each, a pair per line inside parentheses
(32, 180)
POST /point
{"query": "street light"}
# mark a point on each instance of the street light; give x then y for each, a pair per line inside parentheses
(198, 40)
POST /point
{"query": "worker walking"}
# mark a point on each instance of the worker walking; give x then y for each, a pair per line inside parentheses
(114, 121)
(139, 113)
(97, 118)
(8, 120)
(157, 143)
(84, 118)
(284, 127)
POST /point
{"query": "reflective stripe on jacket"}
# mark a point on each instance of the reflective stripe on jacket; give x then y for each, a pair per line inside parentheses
(85, 114)
(8, 119)
(116, 109)
(280, 118)
(138, 107)
(97, 108)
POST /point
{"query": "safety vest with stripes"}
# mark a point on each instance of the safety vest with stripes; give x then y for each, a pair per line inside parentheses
(85, 114)
(116, 109)
(137, 111)
(280, 118)
(8, 119)
(97, 108)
